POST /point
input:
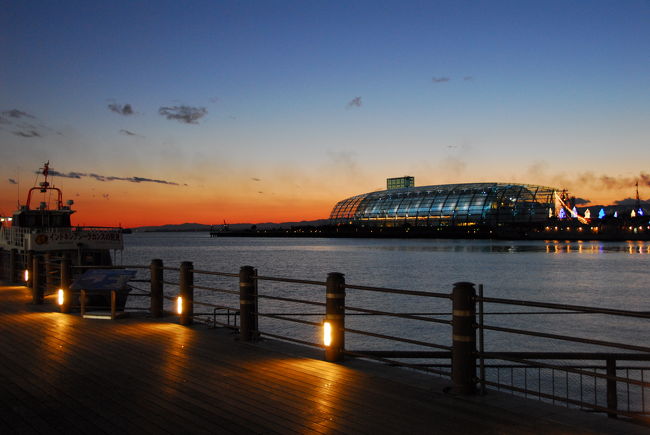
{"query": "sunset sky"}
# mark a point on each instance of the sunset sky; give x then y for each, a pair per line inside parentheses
(256, 111)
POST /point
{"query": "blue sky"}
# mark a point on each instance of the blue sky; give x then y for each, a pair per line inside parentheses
(552, 92)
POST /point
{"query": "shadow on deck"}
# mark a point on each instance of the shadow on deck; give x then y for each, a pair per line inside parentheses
(64, 374)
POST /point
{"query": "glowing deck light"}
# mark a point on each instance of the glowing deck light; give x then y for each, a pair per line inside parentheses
(327, 333)
(26, 275)
(60, 298)
(179, 305)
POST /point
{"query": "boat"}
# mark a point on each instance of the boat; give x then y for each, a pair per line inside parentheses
(44, 227)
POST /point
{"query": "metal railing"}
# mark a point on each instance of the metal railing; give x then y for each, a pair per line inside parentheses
(450, 341)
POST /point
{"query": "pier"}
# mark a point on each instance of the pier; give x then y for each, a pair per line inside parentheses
(181, 362)
(65, 374)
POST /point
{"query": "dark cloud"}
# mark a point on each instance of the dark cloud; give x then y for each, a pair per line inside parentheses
(27, 133)
(12, 181)
(630, 202)
(355, 102)
(440, 79)
(185, 114)
(581, 201)
(121, 109)
(468, 78)
(614, 182)
(255, 179)
(129, 133)
(105, 178)
(17, 114)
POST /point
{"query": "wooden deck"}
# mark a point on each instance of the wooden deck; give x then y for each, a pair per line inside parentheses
(64, 374)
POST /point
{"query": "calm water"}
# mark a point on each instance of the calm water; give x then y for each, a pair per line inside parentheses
(603, 274)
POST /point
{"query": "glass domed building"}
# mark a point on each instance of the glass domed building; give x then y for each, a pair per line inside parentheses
(484, 205)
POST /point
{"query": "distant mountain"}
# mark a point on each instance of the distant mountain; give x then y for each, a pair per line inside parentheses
(244, 226)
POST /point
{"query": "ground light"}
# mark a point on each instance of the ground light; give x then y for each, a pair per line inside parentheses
(60, 297)
(179, 305)
(327, 333)
(26, 275)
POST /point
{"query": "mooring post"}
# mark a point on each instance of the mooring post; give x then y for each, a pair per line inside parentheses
(612, 394)
(156, 273)
(186, 278)
(463, 352)
(247, 303)
(66, 280)
(13, 265)
(335, 316)
(37, 288)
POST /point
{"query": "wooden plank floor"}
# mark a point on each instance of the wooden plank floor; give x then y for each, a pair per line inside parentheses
(64, 374)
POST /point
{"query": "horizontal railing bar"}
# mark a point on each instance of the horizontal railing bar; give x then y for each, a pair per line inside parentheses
(565, 338)
(639, 314)
(399, 291)
(173, 269)
(208, 272)
(288, 319)
(171, 283)
(400, 339)
(573, 366)
(139, 280)
(294, 340)
(298, 301)
(397, 363)
(569, 355)
(405, 353)
(398, 315)
(214, 289)
(121, 266)
(140, 294)
(288, 280)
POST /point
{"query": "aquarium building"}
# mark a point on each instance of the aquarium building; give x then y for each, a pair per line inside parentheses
(448, 205)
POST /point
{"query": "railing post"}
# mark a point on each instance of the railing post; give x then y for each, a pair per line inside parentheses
(335, 315)
(246, 303)
(66, 280)
(156, 273)
(612, 394)
(186, 278)
(113, 304)
(37, 288)
(463, 353)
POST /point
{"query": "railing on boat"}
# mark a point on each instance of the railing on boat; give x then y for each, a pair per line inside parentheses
(60, 238)
(613, 382)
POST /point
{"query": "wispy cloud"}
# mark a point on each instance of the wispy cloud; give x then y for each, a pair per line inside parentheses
(184, 114)
(581, 201)
(28, 133)
(105, 178)
(255, 179)
(129, 133)
(12, 181)
(440, 79)
(24, 124)
(614, 182)
(121, 109)
(355, 102)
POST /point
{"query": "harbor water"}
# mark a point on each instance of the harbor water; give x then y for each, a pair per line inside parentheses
(601, 274)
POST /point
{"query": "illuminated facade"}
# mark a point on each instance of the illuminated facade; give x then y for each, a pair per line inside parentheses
(449, 205)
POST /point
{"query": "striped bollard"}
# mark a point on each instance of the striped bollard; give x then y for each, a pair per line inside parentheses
(247, 303)
(463, 352)
(334, 324)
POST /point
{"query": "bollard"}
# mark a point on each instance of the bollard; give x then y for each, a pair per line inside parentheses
(463, 352)
(37, 288)
(335, 316)
(612, 394)
(156, 273)
(247, 314)
(186, 279)
(66, 280)
(113, 304)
